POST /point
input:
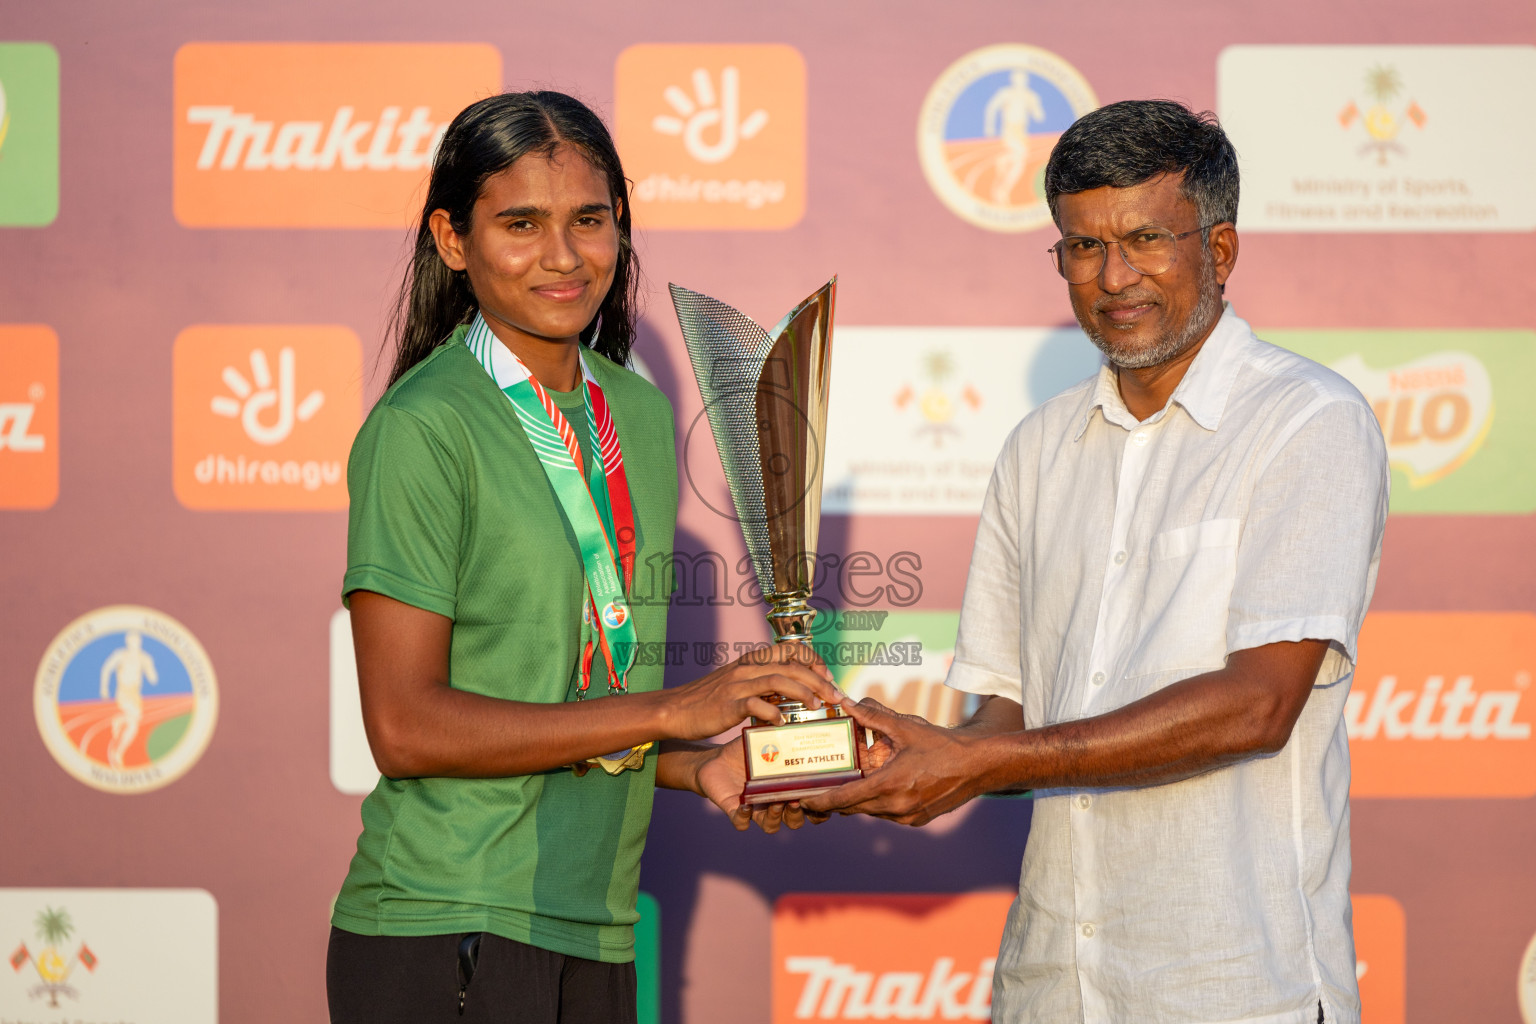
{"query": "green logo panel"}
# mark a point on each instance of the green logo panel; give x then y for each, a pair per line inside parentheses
(899, 658)
(648, 959)
(1461, 435)
(29, 134)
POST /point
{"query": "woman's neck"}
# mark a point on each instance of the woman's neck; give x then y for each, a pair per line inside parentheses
(554, 362)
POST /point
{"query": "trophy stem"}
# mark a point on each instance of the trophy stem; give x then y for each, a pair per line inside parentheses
(790, 615)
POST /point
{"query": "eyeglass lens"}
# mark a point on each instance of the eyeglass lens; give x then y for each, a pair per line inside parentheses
(1080, 258)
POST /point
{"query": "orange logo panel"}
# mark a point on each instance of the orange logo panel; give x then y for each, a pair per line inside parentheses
(29, 416)
(1441, 706)
(1381, 959)
(316, 134)
(265, 415)
(712, 136)
(868, 957)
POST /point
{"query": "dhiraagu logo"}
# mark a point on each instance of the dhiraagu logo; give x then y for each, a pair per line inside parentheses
(1459, 439)
(29, 134)
(714, 135)
(264, 415)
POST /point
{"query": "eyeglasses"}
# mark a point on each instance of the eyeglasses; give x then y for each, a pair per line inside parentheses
(1148, 251)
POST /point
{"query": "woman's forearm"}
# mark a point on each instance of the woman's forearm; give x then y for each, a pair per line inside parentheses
(420, 725)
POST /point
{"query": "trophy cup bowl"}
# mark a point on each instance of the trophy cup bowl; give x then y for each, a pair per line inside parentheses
(765, 393)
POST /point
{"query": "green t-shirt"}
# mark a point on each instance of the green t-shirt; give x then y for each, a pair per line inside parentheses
(452, 512)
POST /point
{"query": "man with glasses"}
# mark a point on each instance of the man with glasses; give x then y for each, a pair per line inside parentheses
(1172, 565)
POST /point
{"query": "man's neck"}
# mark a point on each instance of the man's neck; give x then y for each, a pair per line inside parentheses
(1146, 390)
(554, 362)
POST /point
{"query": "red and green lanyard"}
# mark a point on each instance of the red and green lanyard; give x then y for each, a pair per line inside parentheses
(597, 507)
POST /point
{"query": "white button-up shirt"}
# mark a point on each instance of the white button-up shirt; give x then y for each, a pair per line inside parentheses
(1115, 557)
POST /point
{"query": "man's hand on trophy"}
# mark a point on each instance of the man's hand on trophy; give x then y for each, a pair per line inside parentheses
(915, 771)
(720, 701)
(720, 778)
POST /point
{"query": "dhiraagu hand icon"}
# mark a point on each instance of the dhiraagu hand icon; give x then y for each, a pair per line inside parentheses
(705, 110)
(250, 404)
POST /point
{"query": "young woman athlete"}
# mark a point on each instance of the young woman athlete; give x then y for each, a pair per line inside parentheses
(513, 499)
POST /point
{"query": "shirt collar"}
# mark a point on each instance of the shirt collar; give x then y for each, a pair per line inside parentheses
(1203, 391)
(498, 361)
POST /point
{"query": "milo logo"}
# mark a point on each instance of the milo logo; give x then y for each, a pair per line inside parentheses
(1435, 412)
(1456, 444)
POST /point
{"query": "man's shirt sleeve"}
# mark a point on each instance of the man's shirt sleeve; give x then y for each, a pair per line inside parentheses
(987, 653)
(406, 514)
(1311, 542)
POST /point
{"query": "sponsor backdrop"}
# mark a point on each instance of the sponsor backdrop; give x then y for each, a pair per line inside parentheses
(203, 217)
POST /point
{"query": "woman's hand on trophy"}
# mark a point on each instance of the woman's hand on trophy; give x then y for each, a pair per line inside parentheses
(721, 700)
(721, 776)
(914, 772)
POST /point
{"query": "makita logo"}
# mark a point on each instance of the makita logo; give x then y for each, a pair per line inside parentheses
(1436, 711)
(16, 428)
(316, 135)
(838, 991)
(388, 142)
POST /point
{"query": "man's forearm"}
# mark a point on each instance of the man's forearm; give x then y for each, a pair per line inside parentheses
(1185, 729)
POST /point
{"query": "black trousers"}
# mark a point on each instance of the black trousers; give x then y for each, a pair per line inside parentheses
(385, 979)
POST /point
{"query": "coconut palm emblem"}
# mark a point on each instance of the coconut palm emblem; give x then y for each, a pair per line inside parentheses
(936, 402)
(1381, 125)
(53, 971)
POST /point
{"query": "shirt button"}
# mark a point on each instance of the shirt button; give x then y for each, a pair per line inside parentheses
(1083, 802)
(1087, 931)
(1119, 557)
(1140, 438)
(1098, 679)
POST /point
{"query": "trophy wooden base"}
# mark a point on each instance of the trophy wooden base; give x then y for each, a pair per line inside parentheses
(812, 752)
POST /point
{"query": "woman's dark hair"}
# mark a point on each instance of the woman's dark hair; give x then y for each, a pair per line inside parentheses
(485, 139)
(1134, 141)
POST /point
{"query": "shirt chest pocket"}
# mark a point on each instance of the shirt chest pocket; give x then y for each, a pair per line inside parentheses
(1182, 618)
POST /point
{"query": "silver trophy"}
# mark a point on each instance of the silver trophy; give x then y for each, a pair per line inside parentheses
(766, 396)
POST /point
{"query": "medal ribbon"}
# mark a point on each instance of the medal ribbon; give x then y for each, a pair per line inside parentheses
(597, 507)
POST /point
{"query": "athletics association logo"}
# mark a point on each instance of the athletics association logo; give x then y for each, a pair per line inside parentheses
(49, 962)
(29, 416)
(714, 135)
(769, 753)
(987, 128)
(264, 415)
(615, 615)
(126, 699)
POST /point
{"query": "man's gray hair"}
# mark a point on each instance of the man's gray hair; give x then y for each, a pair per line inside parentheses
(1134, 141)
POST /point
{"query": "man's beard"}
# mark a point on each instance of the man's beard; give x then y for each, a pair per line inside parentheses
(1171, 342)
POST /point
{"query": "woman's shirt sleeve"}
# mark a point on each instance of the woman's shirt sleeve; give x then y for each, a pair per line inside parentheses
(407, 513)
